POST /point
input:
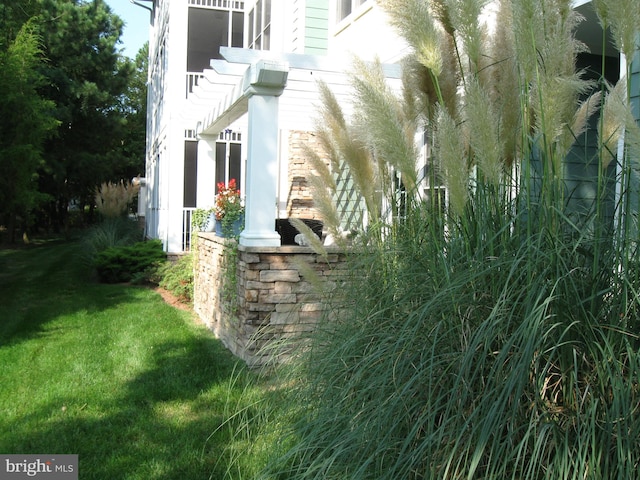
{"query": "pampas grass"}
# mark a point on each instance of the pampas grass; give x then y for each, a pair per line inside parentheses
(484, 126)
(113, 199)
(614, 118)
(344, 146)
(495, 338)
(465, 18)
(505, 88)
(451, 151)
(623, 17)
(382, 122)
(414, 21)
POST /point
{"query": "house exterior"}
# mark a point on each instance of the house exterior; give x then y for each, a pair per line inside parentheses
(183, 163)
(196, 140)
(233, 94)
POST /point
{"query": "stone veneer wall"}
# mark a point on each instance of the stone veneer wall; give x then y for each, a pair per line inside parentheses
(275, 302)
(299, 198)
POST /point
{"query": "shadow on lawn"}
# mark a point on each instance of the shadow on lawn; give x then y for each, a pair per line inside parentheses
(159, 427)
(155, 425)
(40, 282)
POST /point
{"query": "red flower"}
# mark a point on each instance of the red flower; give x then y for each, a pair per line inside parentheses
(228, 201)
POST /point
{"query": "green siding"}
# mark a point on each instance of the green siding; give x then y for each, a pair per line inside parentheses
(317, 23)
(318, 4)
(316, 32)
(635, 85)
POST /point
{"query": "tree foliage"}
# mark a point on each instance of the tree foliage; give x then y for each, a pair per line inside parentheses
(26, 119)
(128, 154)
(95, 94)
(86, 79)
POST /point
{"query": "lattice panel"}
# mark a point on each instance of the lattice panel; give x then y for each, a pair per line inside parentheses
(349, 201)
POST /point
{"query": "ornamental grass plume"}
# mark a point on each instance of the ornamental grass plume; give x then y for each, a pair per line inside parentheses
(484, 136)
(546, 52)
(452, 152)
(504, 86)
(345, 146)
(382, 122)
(618, 122)
(324, 188)
(113, 199)
(465, 18)
(414, 21)
(623, 18)
(611, 126)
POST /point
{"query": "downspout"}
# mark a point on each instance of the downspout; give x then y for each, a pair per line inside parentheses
(146, 7)
(137, 2)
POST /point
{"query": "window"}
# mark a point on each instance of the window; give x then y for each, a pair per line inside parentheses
(228, 158)
(208, 30)
(345, 7)
(260, 26)
(190, 174)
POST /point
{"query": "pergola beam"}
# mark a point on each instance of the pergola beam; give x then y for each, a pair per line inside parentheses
(254, 80)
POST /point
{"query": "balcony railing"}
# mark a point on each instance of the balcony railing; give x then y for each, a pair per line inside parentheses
(233, 4)
(193, 79)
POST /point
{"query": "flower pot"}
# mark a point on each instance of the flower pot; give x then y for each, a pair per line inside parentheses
(236, 228)
(210, 223)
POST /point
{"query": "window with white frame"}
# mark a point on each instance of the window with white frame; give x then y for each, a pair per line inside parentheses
(259, 26)
(345, 7)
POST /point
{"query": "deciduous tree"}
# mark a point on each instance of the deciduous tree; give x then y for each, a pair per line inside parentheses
(26, 119)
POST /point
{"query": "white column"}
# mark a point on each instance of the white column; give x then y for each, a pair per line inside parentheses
(268, 80)
(262, 173)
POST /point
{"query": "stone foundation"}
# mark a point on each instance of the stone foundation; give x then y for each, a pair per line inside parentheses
(274, 304)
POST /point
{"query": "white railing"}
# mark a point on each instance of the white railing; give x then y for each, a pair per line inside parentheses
(233, 4)
(186, 228)
(193, 79)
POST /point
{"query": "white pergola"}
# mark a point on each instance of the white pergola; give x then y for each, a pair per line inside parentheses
(277, 91)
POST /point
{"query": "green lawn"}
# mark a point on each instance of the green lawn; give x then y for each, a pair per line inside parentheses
(109, 372)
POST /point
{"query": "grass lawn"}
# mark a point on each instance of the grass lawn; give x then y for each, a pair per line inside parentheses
(109, 372)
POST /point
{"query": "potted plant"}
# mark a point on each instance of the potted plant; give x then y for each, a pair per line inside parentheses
(228, 210)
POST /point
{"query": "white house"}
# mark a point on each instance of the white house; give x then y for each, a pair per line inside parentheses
(186, 158)
(232, 95)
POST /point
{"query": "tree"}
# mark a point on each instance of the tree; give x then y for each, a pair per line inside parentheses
(13, 15)
(26, 119)
(78, 77)
(87, 77)
(128, 155)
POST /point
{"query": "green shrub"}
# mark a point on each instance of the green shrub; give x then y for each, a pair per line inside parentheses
(177, 277)
(110, 232)
(199, 218)
(130, 262)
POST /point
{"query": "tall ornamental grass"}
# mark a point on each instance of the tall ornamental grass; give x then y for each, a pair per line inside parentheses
(115, 228)
(495, 337)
